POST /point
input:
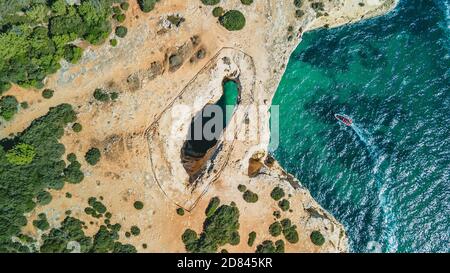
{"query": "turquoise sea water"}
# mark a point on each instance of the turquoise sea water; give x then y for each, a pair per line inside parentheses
(387, 178)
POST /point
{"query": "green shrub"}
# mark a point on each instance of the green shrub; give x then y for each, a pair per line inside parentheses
(251, 238)
(99, 207)
(24, 105)
(8, 107)
(72, 53)
(299, 13)
(180, 211)
(266, 247)
(235, 238)
(138, 205)
(277, 214)
(41, 223)
(71, 157)
(101, 95)
(189, 236)
(298, 3)
(318, 6)
(279, 246)
(242, 188)
(92, 156)
(117, 10)
(275, 229)
(286, 223)
(47, 93)
(247, 2)
(120, 17)
(232, 20)
(21, 154)
(212, 206)
(114, 95)
(44, 198)
(277, 193)
(135, 230)
(250, 197)
(77, 127)
(121, 31)
(113, 42)
(175, 20)
(124, 5)
(210, 2)
(147, 5)
(317, 238)
(123, 248)
(291, 234)
(4, 86)
(284, 205)
(218, 11)
(104, 240)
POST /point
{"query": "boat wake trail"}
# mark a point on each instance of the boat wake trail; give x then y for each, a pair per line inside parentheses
(389, 220)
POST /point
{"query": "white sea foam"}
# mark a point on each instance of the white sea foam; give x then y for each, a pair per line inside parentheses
(389, 218)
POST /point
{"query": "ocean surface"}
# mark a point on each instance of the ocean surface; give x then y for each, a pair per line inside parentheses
(386, 178)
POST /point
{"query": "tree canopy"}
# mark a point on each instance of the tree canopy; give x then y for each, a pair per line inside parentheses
(36, 34)
(21, 183)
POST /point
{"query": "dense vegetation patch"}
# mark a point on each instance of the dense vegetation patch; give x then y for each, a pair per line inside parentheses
(70, 237)
(73, 173)
(21, 154)
(8, 107)
(21, 183)
(220, 228)
(269, 247)
(232, 20)
(242, 188)
(36, 35)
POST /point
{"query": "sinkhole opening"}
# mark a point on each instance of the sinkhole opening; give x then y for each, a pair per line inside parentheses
(207, 127)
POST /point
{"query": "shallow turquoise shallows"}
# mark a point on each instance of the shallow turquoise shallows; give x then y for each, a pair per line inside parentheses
(387, 178)
(229, 99)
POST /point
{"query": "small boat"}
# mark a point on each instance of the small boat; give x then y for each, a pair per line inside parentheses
(344, 119)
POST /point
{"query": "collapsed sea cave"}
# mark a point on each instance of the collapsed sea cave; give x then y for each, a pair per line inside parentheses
(207, 127)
